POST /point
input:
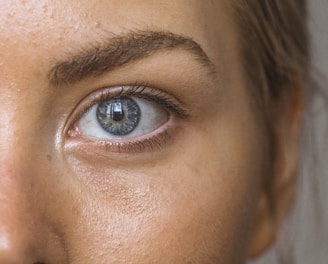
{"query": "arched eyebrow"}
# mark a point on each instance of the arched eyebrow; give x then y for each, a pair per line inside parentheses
(120, 50)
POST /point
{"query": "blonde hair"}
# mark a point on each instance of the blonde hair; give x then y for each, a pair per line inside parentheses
(275, 53)
(274, 41)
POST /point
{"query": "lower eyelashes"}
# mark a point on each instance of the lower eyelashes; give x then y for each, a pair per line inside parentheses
(101, 148)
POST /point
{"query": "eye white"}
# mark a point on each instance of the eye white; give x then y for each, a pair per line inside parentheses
(151, 117)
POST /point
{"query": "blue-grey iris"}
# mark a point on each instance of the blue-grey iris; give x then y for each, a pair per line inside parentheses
(119, 116)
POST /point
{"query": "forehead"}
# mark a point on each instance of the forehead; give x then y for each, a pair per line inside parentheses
(124, 13)
(52, 25)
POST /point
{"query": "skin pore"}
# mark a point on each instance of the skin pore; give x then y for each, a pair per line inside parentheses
(187, 190)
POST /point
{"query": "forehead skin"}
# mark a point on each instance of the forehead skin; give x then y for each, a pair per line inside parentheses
(192, 201)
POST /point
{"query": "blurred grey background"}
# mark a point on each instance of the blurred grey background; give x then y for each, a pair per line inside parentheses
(304, 238)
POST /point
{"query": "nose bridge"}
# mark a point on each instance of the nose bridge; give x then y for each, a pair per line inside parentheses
(14, 148)
(16, 122)
(11, 121)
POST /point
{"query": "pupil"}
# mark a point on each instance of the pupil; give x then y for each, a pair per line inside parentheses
(117, 113)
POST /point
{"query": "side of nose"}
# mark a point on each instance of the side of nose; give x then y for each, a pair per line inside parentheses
(30, 231)
(19, 225)
(26, 237)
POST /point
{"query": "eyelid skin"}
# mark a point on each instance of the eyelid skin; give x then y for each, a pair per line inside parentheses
(150, 141)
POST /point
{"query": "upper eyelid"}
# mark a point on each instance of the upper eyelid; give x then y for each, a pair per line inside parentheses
(153, 94)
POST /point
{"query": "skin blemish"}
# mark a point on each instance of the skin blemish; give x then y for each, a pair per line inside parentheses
(49, 158)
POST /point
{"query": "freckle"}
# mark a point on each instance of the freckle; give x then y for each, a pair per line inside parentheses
(10, 15)
(97, 24)
(75, 210)
(59, 37)
(45, 8)
(49, 158)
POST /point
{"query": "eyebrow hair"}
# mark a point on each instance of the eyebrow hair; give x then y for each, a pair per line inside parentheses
(121, 50)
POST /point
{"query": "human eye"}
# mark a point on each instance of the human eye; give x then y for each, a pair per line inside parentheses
(127, 118)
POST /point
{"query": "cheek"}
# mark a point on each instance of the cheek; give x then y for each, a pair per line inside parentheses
(193, 203)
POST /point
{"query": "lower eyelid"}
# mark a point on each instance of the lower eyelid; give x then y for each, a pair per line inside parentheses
(154, 141)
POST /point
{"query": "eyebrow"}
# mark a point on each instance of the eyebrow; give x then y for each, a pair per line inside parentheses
(121, 50)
